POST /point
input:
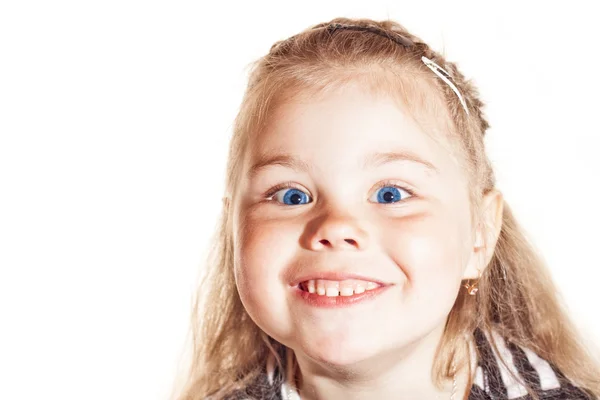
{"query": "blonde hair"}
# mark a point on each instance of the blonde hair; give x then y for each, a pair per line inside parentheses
(517, 297)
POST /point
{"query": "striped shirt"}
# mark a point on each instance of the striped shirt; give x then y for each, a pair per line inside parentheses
(492, 380)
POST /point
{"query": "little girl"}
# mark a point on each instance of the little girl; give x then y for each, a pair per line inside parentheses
(364, 251)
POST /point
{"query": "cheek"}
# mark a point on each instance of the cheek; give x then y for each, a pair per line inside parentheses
(427, 252)
(261, 247)
(261, 252)
(428, 249)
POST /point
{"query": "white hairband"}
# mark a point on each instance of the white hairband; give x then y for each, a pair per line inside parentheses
(436, 69)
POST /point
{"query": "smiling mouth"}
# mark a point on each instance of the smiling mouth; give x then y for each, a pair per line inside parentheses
(344, 288)
(326, 294)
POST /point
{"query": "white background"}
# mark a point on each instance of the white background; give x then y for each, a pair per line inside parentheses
(115, 118)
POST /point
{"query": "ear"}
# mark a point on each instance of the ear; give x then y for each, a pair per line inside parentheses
(486, 234)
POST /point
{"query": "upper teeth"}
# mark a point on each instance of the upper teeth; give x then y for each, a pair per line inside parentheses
(347, 287)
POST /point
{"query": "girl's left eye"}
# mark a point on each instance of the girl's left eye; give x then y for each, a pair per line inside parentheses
(386, 193)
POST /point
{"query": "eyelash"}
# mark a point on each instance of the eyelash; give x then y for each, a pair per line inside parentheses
(386, 183)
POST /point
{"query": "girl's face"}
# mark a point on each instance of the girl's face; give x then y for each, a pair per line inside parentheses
(326, 193)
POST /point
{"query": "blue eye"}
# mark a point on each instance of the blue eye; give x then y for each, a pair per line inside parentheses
(291, 197)
(391, 194)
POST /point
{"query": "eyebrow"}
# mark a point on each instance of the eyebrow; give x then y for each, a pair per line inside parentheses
(370, 161)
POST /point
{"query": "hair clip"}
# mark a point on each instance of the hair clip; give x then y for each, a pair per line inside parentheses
(436, 69)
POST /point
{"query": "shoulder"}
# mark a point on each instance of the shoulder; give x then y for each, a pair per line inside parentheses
(494, 380)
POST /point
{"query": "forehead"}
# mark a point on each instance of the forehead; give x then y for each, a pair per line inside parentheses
(343, 127)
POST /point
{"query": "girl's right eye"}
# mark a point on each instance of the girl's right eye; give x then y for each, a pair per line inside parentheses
(289, 196)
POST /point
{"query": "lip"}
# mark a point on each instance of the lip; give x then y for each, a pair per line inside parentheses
(336, 276)
(320, 301)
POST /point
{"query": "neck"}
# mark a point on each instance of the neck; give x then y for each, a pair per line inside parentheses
(404, 373)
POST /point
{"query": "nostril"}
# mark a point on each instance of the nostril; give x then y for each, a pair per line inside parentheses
(328, 243)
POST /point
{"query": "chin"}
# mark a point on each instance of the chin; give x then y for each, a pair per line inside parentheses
(340, 352)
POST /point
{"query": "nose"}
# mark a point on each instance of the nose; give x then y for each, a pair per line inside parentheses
(342, 233)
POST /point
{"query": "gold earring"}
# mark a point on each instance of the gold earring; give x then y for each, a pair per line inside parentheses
(472, 289)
